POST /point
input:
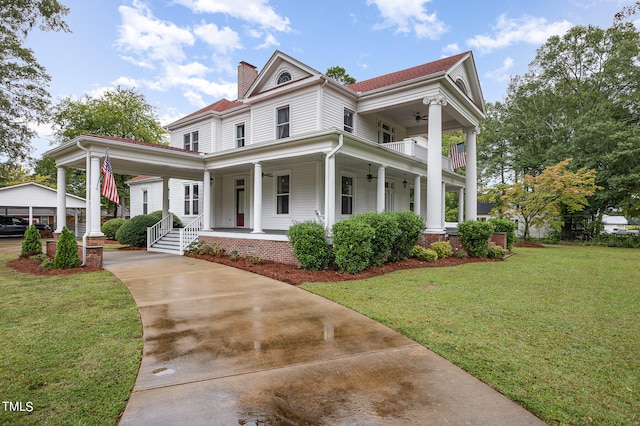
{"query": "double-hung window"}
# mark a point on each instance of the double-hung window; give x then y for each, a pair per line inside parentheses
(347, 195)
(282, 194)
(191, 198)
(191, 141)
(282, 120)
(240, 135)
(386, 132)
(145, 202)
(348, 120)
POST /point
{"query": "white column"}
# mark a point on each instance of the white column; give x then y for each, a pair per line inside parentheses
(257, 199)
(435, 213)
(471, 178)
(330, 192)
(165, 196)
(460, 205)
(206, 183)
(95, 231)
(30, 215)
(417, 190)
(444, 204)
(61, 201)
(380, 191)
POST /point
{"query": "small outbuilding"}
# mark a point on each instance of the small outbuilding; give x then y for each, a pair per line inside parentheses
(37, 203)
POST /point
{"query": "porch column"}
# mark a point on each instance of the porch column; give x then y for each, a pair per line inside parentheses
(434, 165)
(206, 182)
(257, 199)
(460, 205)
(61, 200)
(380, 192)
(444, 205)
(416, 195)
(95, 231)
(471, 178)
(330, 192)
(30, 215)
(165, 196)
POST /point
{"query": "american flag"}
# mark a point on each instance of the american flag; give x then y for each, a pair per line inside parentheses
(458, 156)
(109, 188)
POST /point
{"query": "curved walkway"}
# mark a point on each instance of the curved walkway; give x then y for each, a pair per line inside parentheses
(225, 346)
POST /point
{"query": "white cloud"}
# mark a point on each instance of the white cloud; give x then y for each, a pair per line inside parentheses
(502, 74)
(408, 16)
(269, 41)
(509, 31)
(125, 81)
(144, 34)
(451, 49)
(254, 11)
(222, 40)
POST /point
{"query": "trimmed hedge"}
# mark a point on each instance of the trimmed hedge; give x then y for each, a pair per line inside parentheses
(422, 253)
(475, 235)
(352, 245)
(31, 244)
(110, 227)
(134, 231)
(443, 248)
(177, 223)
(310, 245)
(496, 252)
(66, 251)
(411, 229)
(386, 232)
(508, 226)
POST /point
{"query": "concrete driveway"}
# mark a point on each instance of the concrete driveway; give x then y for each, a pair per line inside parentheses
(228, 347)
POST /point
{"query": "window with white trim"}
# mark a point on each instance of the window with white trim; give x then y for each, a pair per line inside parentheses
(191, 141)
(285, 77)
(283, 189)
(346, 195)
(240, 138)
(282, 120)
(386, 132)
(191, 199)
(145, 202)
(348, 120)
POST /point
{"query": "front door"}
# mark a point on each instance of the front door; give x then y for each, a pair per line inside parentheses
(239, 207)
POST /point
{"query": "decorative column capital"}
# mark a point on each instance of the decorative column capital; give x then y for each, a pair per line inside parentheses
(438, 99)
(472, 129)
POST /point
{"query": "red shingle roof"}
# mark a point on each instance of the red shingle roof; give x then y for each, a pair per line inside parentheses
(406, 75)
(219, 106)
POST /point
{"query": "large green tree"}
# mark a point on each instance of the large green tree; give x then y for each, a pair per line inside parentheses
(24, 99)
(580, 99)
(121, 112)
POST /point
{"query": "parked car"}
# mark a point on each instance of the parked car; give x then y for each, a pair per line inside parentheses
(11, 226)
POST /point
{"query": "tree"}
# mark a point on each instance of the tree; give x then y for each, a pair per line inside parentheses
(15, 173)
(540, 200)
(24, 99)
(121, 112)
(340, 75)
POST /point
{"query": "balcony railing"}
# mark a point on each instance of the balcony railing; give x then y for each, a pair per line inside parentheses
(408, 147)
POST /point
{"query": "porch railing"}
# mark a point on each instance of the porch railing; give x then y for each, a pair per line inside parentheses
(189, 233)
(408, 147)
(159, 230)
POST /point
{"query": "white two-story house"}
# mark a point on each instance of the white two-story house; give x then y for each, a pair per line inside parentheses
(297, 145)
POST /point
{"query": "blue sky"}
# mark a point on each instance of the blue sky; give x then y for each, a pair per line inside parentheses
(183, 54)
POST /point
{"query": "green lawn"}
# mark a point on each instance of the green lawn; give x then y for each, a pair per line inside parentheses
(556, 329)
(71, 347)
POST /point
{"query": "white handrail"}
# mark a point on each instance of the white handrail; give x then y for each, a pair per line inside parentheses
(159, 230)
(189, 233)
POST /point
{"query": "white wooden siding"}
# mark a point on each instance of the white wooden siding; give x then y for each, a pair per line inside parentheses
(228, 133)
(333, 107)
(460, 72)
(205, 136)
(154, 197)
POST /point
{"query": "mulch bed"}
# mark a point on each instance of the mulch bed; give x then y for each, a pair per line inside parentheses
(292, 275)
(30, 266)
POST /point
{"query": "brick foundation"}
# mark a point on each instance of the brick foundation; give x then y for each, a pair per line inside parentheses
(499, 239)
(277, 251)
(95, 247)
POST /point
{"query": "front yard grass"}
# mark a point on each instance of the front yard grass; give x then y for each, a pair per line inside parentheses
(71, 347)
(555, 329)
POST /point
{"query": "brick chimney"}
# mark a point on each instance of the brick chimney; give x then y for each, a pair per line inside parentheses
(247, 74)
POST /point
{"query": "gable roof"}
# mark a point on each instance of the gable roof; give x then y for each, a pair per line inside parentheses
(408, 74)
(36, 195)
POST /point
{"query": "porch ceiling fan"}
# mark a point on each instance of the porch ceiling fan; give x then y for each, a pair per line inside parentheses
(419, 117)
(370, 177)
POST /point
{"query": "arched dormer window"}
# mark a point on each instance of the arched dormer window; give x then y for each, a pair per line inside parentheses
(461, 85)
(284, 77)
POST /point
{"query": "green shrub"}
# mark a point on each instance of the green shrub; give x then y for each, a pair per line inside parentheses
(411, 229)
(386, 231)
(422, 253)
(47, 264)
(461, 254)
(177, 223)
(134, 231)
(110, 227)
(202, 247)
(352, 245)
(66, 251)
(508, 226)
(310, 245)
(443, 248)
(474, 236)
(496, 252)
(31, 244)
